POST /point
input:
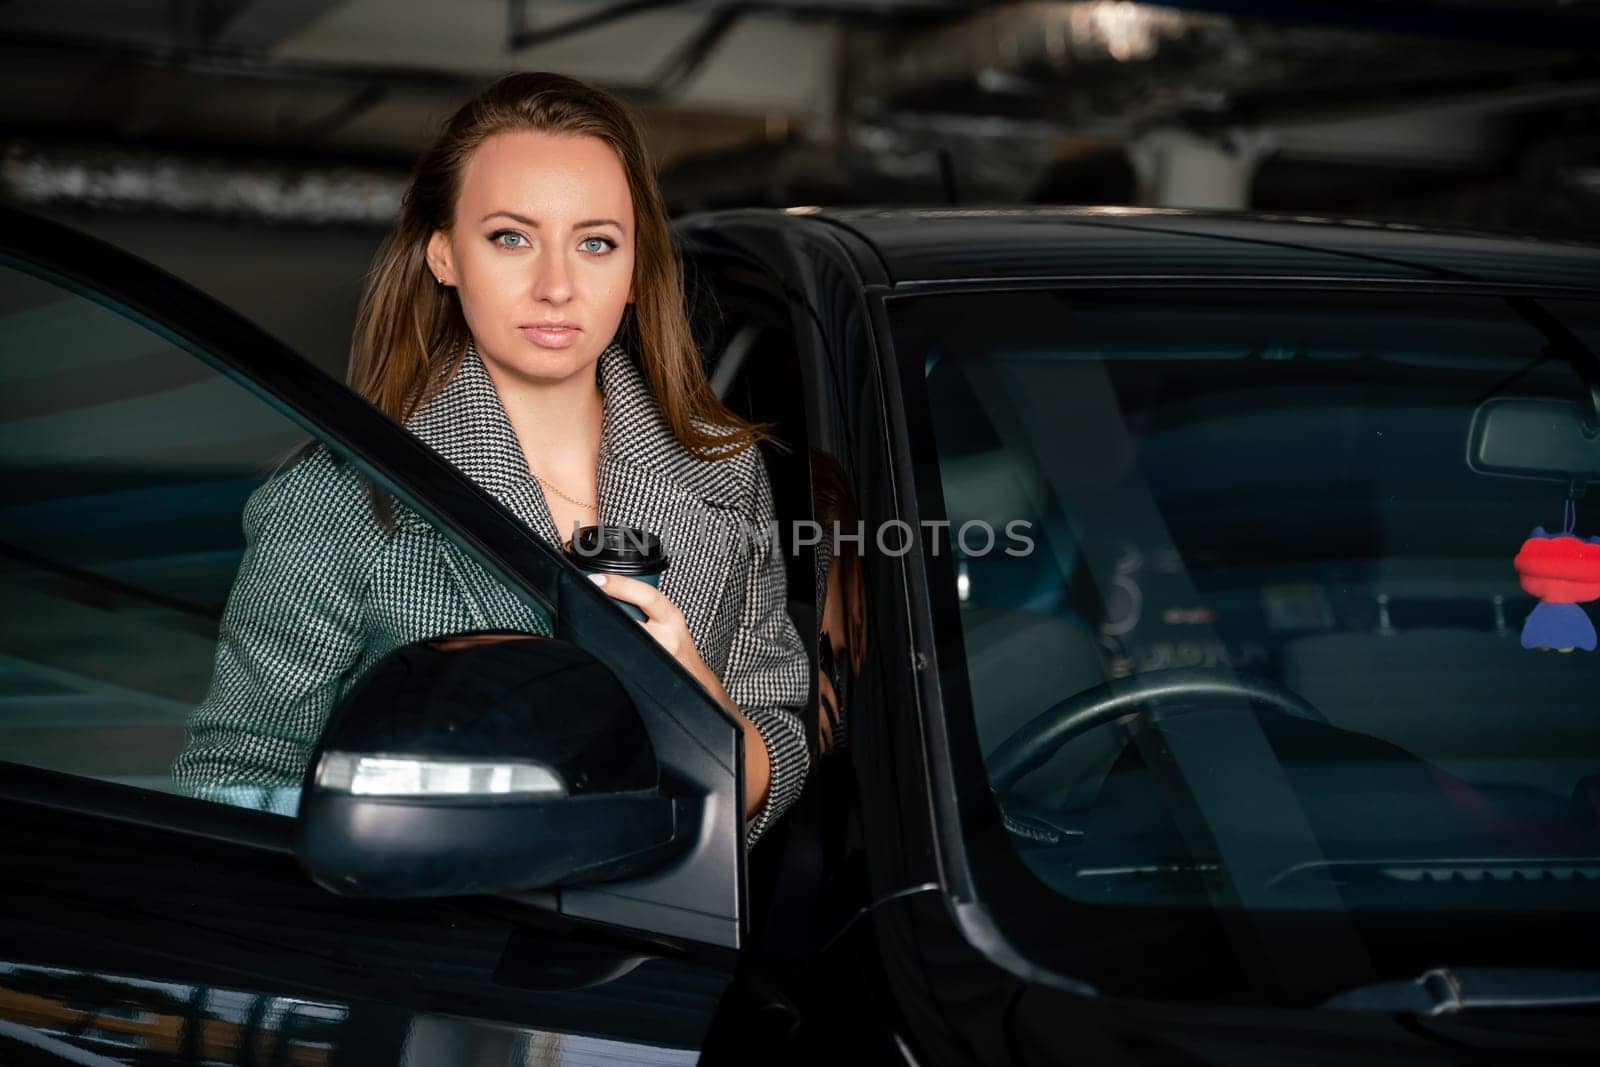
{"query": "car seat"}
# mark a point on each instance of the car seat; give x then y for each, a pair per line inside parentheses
(1025, 648)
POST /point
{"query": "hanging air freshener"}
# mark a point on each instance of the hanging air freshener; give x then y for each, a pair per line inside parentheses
(1563, 571)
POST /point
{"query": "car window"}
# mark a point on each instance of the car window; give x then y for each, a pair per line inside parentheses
(746, 333)
(1236, 605)
(139, 634)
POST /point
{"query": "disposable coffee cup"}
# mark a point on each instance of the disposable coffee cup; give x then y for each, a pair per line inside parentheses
(624, 550)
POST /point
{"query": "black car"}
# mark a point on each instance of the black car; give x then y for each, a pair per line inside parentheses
(1227, 695)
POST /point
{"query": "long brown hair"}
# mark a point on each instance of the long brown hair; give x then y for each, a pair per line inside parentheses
(410, 334)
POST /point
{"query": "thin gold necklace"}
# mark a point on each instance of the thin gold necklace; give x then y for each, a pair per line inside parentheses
(551, 486)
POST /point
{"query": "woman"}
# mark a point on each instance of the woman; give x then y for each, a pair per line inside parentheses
(525, 319)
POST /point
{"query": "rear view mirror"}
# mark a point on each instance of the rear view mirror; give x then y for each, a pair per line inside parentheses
(485, 763)
(1534, 437)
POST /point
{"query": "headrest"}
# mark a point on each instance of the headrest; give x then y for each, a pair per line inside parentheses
(990, 487)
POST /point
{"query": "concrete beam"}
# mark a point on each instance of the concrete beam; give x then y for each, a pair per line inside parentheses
(260, 25)
(1177, 168)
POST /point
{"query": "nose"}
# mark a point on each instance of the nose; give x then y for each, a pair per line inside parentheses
(552, 281)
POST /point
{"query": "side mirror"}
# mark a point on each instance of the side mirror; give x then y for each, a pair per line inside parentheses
(486, 763)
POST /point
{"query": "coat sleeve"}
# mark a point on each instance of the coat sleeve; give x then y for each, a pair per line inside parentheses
(767, 674)
(291, 635)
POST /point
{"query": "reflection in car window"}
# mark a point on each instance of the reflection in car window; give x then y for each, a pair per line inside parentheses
(166, 1021)
(133, 475)
(67, 1011)
(1264, 503)
(842, 639)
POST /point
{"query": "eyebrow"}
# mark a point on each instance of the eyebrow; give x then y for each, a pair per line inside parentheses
(526, 221)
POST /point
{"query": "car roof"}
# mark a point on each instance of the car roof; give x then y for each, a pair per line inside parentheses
(944, 244)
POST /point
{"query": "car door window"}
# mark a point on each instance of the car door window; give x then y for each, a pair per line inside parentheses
(133, 472)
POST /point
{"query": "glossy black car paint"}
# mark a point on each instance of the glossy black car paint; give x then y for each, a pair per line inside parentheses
(113, 903)
(903, 956)
(605, 815)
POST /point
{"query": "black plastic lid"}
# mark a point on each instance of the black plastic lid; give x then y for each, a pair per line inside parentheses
(617, 550)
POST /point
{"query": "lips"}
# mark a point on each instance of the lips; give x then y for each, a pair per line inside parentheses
(1562, 569)
(550, 334)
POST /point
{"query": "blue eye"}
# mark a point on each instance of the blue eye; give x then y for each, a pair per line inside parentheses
(605, 243)
(508, 239)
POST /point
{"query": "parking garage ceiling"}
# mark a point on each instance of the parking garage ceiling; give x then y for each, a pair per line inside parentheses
(789, 99)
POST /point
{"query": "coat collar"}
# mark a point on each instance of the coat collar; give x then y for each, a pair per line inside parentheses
(466, 423)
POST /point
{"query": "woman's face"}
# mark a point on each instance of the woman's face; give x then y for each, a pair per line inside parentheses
(540, 253)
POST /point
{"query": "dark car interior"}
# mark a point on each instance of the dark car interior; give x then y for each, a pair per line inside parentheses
(747, 338)
(1300, 515)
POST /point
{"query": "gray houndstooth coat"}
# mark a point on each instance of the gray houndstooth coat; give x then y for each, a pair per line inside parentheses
(325, 589)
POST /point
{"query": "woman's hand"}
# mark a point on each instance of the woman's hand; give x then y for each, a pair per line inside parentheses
(666, 624)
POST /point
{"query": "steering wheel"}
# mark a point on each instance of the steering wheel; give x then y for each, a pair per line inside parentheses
(1037, 740)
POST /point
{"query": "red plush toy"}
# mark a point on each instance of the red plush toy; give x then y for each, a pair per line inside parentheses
(1563, 571)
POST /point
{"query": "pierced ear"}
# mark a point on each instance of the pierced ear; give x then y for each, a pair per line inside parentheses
(439, 260)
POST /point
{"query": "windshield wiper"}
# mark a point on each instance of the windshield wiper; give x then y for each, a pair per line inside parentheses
(1447, 990)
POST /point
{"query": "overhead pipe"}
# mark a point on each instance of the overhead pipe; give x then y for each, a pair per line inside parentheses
(131, 181)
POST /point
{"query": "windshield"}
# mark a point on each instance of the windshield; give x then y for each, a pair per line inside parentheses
(1227, 604)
